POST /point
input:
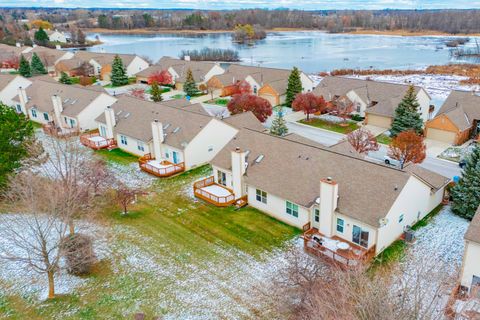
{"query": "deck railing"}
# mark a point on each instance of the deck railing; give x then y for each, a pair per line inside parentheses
(52, 130)
(220, 201)
(169, 170)
(96, 145)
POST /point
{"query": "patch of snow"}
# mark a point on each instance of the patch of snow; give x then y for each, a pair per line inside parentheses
(217, 190)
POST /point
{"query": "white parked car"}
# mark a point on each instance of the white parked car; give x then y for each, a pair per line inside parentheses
(391, 161)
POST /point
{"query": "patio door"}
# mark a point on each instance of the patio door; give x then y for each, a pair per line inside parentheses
(221, 178)
(360, 236)
(316, 218)
(175, 157)
(475, 288)
(103, 131)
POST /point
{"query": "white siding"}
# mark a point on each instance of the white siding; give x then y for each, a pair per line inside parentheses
(357, 102)
(216, 70)
(348, 229)
(57, 37)
(137, 65)
(11, 90)
(471, 263)
(414, 202)
(307, 83)
(424, 102)
(132, 145)
(208, 142)
(86, 118)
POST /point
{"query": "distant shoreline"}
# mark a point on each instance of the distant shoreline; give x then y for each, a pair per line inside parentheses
(403, 33)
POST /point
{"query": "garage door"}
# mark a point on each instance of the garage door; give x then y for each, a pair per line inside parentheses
(270, 98)
(441, 135)
(379, 121)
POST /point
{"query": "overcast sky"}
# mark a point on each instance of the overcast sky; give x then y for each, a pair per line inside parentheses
(235, 4)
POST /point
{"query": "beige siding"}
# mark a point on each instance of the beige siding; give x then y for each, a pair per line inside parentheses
(471, 263)
(441, 135)
(379, 121)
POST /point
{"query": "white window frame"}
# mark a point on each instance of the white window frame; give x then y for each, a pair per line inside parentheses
(261, 196)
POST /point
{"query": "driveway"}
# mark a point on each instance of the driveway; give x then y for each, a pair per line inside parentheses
(435, 148)
(375, 130)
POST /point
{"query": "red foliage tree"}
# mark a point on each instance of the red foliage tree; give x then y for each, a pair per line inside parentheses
(309, 103)
(407, 147)
(138, 93)
(161, 77)
(363, 141)
(12, 62)
(260, 107)
(244, 87)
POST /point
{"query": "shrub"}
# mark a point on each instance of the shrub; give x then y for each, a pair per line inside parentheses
(79, 254)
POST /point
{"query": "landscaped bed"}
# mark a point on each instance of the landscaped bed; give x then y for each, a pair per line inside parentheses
(384, 139)
(219, 101)
(456, 154)
(343, 128)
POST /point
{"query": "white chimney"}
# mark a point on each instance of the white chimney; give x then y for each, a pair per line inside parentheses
(22, 96)
(110, 121)
(328, 205)
(238, 170)
(158, 138)
(57, 109)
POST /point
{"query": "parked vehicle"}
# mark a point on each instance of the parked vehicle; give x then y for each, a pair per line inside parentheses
(390, 161)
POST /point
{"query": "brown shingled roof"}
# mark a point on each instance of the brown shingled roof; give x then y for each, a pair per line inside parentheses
(473, 231)
(462, 108)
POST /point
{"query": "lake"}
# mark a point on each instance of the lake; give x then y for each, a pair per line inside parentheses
(311, 51)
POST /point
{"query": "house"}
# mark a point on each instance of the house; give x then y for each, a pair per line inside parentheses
(102, 63)
(268, 83)
(62, 109)
(9, 86)
(201, 71)
(74, 67)
(457, 119)
(169, 139)
(10, 56)
(470, 273)
(332, 195)
(56, 36)
(49, 57)
(374, 100)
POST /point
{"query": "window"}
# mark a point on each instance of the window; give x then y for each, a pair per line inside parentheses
(340, 225)
(261, 196)
(254, 89)
(123, 140)
(221, 178)
(400, 219)
(103, 131)
(167, 155)
(45, 116)
(72, 123)
(316, 215)
(19, 108)
(292, 209)
(34, 113)
(140, 146)
(360, 236)
(358, 107)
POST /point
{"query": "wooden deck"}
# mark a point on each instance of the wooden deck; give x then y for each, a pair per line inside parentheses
(55, 131)
(344, 258)
(219, 201)
(168, 170)
(97, 145)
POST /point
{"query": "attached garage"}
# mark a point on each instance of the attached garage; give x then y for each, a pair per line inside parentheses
(378, 121)
(442, 135)
(271, 98)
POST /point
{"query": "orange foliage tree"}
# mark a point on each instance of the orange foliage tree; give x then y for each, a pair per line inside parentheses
(309, 103)
(408, 147)
(363, 140)
(260, 107)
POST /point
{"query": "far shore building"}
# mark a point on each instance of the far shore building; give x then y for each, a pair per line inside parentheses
(53, 35)
(457, 120)
(62, 109)
(470, 273)
(374, 100)
(201, 71)
(102, 63)
(169, 138)
(268, 83)
(349, 208)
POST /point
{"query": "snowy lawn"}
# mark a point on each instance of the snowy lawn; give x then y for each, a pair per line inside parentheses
(170, 256)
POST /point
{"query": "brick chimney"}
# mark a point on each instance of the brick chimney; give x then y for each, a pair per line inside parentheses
(158, 138)
(238, 171)
(328, 205)
(110, 121)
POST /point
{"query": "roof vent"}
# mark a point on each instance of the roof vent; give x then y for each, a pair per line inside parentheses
(126, 115)
(166, 126)
(329, 179)
(119, 112)
(395, 188)
(73, 102)
(237, 149)
(64, 101)
(176, 130)
(259, 158)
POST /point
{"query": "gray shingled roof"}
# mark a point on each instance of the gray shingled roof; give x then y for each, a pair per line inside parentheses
(104, 58)
(462, 108)
(292, 170)
(473, 231)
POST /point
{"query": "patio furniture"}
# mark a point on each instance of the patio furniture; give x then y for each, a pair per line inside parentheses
(343, 245)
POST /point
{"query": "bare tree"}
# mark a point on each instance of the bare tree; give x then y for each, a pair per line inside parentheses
(363, 141)
(96, 176)
(124, 196)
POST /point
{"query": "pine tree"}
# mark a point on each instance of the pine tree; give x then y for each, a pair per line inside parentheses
(65, 79)
(190, 87)
(407, 117)
(279, 126)
(37, 66)
(294, 86)
(41, 36)
(24, 67)
(155, 92)
(119, 75)
(466, 193)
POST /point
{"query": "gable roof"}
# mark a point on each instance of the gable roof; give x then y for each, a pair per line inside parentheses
(462, 108)
(103, 58)
(244, 120)
(292, 170)
(199, 68)
(134, 118)
(5, 80)
(74, 98)
(48, 56)
(473, 231)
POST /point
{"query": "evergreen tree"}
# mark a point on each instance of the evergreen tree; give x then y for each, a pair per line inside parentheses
(41, 36)
(294, 86)
(119, 75)
(407, 117)
(16, 134)
(466, 193)
(279, 126)
(190, 87)
(65, 79)
(37, 66)
(24, 67)
(155, 92)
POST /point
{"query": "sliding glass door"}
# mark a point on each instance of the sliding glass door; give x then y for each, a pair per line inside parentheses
(360, 236)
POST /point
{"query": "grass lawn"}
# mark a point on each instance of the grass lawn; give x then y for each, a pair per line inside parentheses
(186, 259)
(178, 96)
(384, 139)
(322, 124)
(393, 253)
(219, 101)
(36, 125)
(118, 156)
